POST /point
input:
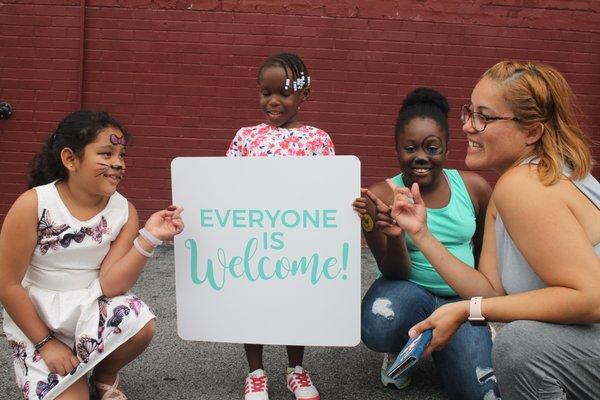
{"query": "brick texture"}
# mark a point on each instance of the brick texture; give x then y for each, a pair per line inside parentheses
(181, 74)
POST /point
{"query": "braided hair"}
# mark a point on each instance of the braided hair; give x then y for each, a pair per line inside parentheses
(289, 62)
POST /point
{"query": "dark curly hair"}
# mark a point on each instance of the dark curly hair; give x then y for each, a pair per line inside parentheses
(423, 102)
(76, 131)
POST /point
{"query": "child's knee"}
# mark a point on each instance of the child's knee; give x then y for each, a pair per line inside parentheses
(77, 391)
(145, 335)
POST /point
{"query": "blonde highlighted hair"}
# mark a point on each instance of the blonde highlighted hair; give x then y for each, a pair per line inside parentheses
(539, 94)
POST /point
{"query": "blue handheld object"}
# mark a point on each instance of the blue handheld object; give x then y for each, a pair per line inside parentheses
(410, 354)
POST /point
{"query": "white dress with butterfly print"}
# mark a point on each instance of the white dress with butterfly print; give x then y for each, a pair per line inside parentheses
(63, 282)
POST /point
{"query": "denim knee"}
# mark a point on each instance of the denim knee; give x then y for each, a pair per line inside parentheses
(389, 309)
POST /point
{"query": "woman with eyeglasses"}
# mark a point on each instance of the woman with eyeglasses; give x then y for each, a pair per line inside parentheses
(539, 269)
(410, 289)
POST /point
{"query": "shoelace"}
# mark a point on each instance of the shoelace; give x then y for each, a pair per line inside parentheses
(257, 384)
(302, 378)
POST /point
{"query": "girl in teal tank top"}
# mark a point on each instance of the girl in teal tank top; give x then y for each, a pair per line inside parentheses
(410, 288)
(454, 225)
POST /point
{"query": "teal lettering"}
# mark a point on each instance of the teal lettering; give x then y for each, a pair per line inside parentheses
(210, 276)
(277, 242)
(238, 218)
(272, 218)
(206, 218)
(261, 269)
(281, 270)
(248, 254)
(288, 224)
(253, 268)
(222, 222)
(302, 265)
(258, 219)
(306, 216)
(327, 218)
(330, 262)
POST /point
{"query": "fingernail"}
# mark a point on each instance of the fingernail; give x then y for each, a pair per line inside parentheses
(171, 208)
(412, 333)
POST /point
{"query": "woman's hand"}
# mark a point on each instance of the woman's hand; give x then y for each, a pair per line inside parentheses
(408, 208)
(165, 224)
(58, 357)
(383, 218)
(444, 321)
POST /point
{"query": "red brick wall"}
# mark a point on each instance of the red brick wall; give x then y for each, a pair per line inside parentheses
(181, 74)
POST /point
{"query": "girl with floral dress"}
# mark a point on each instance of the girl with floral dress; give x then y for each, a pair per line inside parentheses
(69, 252)
(283, 84)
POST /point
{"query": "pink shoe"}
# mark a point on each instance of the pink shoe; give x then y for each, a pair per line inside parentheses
(256, 386)
(111, 392)
(299, 383)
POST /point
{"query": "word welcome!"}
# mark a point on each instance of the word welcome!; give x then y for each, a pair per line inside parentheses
(253, 267)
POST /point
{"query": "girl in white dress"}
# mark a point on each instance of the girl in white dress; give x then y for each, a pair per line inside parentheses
(69, 252)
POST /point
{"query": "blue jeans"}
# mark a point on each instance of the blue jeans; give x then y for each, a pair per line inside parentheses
(391, 307)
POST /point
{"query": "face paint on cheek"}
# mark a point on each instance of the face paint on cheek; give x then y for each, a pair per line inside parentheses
(433, 145)
(103, 168)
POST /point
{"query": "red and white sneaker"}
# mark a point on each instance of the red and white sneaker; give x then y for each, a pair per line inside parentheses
(299, 383)
(255, 386)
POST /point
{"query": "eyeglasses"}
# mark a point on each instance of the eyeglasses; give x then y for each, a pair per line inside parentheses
(478, 120)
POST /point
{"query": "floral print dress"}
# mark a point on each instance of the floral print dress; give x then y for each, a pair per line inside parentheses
(267, 140)
(62, 281)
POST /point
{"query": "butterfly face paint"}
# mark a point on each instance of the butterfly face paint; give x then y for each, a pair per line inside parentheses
(116, 140)
(101, 167)
(433, 145)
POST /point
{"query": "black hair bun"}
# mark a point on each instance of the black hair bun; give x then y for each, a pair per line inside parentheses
(424, 95)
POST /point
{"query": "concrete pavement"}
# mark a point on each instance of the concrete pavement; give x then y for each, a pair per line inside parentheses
(173, 369)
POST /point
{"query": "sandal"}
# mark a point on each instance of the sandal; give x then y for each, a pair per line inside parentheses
(111, 392)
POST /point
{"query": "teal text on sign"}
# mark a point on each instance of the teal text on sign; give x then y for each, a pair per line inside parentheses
(253, 267)
(270, 219)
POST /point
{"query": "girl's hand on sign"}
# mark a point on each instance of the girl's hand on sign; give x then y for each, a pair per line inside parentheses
(166, 223)
(383, 218)
(360, 204)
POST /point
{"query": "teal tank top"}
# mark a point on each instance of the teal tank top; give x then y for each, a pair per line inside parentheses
(454, 226)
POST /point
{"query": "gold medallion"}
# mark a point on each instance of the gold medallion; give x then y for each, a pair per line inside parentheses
(367, 223)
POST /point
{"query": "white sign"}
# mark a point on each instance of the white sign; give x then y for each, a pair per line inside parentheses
(271, 250)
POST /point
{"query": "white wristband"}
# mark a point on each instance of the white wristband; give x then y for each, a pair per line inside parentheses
(150, 238)
(140, 250)
(475, 310)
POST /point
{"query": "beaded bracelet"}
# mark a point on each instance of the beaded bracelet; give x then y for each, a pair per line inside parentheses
(45, 340)
(140, 250)
(150, 238)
